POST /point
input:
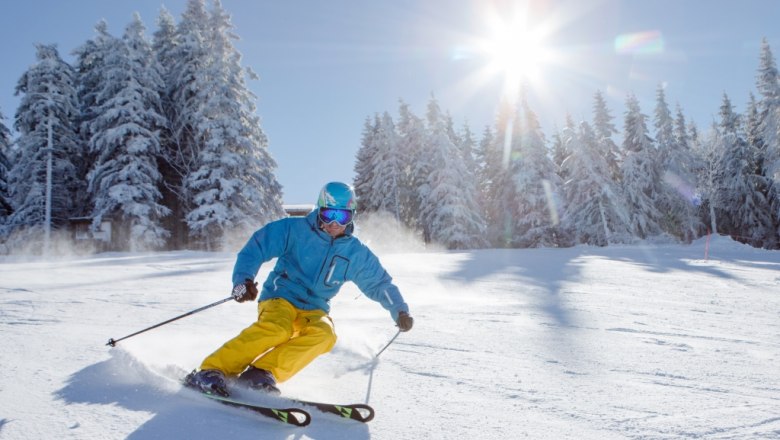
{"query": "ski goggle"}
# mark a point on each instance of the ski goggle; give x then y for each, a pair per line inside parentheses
(340, 216)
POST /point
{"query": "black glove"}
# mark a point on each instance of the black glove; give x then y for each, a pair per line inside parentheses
(245, 292)
(404, 322)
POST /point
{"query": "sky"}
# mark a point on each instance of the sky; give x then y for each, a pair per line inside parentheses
(325, 67)
(582, 343)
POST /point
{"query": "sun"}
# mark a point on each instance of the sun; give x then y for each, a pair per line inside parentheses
(513, 49)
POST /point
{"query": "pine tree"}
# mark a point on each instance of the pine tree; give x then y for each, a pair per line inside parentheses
(416, 166)
(690, 131)
(595, 209)
(449, 212)
(502, 201)
(165, 44)
(467, 147)
(48, 106)
(768, 121)
(231, 182)
(125, 181)
(536, 206)
(477, 224)
(706, 149)
(387, 166)
(674, 198)
(184, 62)
(744, 211)
(5, 166)
(640, 173)
(90, 78)
(686, 163)
(364, 167)
(559, 153)
(489, 170)
(604, 130)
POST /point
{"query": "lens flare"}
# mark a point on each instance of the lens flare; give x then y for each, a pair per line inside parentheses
(647, 42)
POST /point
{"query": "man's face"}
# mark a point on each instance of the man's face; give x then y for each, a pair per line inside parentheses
(333, 229)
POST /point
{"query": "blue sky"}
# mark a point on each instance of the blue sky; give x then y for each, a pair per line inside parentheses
(327, 65)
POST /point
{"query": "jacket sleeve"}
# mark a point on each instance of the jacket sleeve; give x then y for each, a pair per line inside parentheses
(375, 283)
(266, 243)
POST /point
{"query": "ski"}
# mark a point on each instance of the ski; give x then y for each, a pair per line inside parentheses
(358, 411)
(290, 416)
(294, 416)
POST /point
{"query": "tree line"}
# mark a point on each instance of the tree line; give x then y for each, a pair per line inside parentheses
(160, 136)
(663, 181)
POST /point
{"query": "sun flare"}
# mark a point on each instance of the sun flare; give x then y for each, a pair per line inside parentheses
(513, 50)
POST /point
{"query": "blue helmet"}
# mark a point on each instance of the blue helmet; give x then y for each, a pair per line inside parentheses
(337, 195)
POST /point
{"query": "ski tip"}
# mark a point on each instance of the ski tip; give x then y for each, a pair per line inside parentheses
(296, 417)
(362, 413)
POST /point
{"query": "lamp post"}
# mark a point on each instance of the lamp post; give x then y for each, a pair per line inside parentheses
(47, 208)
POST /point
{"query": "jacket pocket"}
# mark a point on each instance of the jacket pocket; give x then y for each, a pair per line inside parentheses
(337, 271)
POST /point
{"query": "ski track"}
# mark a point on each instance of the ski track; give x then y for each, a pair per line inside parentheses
(626, 343)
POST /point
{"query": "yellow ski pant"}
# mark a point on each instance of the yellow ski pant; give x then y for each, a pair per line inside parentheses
(283, 340)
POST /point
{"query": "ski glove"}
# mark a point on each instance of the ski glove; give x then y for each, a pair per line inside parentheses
(404, 322)
(245, 292)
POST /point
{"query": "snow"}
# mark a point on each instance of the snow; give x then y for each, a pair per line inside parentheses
(624, 342)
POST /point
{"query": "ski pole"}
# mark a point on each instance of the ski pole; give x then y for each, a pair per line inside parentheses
(112, 342)
(388, 344)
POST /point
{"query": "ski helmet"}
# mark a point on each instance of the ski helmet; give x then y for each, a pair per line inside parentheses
(337, 195)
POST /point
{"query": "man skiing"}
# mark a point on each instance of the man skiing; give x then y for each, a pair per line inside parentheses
(315, 255)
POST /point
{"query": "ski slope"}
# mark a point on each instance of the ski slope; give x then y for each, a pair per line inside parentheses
(634, 342)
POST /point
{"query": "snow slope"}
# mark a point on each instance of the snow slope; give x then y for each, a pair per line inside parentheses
(644, 342)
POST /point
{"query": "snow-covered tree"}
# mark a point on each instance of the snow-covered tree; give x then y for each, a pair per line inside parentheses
(604, 129)
(364, 166)
(675, 196)
(231, 182)
(467, 147)
(5, 167)
(708, 176)
(559, 153)
(744, 212)
(762, 183)
(48, 111)
(378, 168)
(685, 162)
(595, 209)
(471, 187)
(165, 41)
(450, 211)
(497, 180)
(768, 121)
(536, 206)
(490, 170)
(387, 166)
(641, 178)
(184, 59)
(124, 181)
(90, 80)
(416, 163)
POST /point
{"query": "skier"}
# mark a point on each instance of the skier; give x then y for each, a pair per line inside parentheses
(316, 255)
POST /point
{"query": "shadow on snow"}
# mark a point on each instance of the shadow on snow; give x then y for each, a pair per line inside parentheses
(179, 413)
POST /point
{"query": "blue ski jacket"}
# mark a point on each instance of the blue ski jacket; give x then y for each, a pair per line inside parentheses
(311, 266)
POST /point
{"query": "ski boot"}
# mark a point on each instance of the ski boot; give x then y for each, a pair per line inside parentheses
(258, 379)
(208, 381)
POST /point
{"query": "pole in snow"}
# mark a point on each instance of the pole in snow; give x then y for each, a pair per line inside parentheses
(112, 342)
(388, 344)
